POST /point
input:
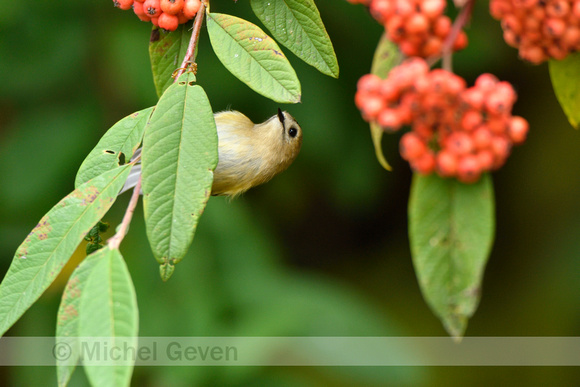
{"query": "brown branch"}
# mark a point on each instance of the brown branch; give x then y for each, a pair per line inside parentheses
(460, 21)
(116, 239)
(190, 54)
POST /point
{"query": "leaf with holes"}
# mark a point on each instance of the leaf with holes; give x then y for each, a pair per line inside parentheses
(253, 57)
(451, 228)
(48, 247)
(116, 147)
(297, 25)
(179, 156)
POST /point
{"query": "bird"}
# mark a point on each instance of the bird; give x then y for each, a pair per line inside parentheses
(248, 154)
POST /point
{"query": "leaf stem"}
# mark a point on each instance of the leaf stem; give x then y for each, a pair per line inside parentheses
(460, 21)
(189, 58)
(116, 239)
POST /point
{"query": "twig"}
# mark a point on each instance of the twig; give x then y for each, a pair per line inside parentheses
(460, 21)
(115, 241)
(189, 58)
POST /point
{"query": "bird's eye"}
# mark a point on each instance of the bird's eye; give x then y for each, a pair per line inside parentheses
(292, 132)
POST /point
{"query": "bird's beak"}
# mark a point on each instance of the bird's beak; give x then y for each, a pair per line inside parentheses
(281, 116)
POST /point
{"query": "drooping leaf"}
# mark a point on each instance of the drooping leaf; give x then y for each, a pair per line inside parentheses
(297, 25)
(108, 310)
(565, 75)
(253, 57)
(451, 228)
(67, 321)
(166, 51)
(50, 244)
(179, 156)
(387, 56)
(116, 147)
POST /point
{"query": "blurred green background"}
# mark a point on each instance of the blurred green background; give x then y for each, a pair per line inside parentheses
(321, 250)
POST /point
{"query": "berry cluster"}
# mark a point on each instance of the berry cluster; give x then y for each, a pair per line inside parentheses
(418, 27)
(539, 29)
(457, 131)
(166, 14)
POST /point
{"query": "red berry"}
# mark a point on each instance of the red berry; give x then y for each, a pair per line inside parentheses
(190, 8)
(468, 169)
(482, 138)
(123, 4)
(369, 83)
(471, 120)
(389, 120)
(411, 146)
(171, 7)
(152, 8)
(432, 8)
(486, 82)
(518, 129)
(168, 22)
(500, 147)
(446, 164)
(140, 12)
(459, 143)
(425, 164)
(485, 159)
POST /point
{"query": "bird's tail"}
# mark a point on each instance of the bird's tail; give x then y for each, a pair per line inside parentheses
(134, 174)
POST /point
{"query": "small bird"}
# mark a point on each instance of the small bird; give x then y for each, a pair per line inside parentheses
(248, 154)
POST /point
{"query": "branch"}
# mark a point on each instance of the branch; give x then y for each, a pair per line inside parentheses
(189, 58)
(460, 21)
(116, 239)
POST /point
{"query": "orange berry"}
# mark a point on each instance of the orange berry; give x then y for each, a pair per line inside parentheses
(369, 83)
(411, 146)
(471, 120)
(190, 8)
(486, 82)
(460, 42)
(425, 164)
(446, 163)
(168, 22)
(140, 12)
(485, 159)
(459, 143)
(152, 8)
(171, 7)
(123, 4)
(418, 24)
(389, 120)
(482, 137)
(432, 8)
(468, 169)
(518, 129)
(182, 18)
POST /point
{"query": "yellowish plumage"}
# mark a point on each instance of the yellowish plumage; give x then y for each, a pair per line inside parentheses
(251, 154)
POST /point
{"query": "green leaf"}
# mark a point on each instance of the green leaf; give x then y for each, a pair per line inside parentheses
(565, 76)
(49, 246)
(298, 26)
(167, 50)
(451, 228)
(108, 311)
(179, 156)
(116, 147)
(387, 56)
(67, 321)
(253, 57)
